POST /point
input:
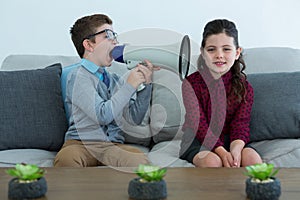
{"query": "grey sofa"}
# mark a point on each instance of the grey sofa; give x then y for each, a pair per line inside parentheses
(33, 124)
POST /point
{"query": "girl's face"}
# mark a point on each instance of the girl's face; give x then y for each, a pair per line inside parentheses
(219, 54)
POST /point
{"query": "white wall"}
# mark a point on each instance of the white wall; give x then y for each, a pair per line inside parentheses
(42, 26)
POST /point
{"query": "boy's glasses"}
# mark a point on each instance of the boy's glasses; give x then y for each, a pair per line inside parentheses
(109, 34)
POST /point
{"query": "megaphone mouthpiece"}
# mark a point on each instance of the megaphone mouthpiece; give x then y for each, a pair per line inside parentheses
(117, 53)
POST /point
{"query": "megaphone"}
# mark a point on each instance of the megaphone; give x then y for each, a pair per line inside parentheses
(174, 57)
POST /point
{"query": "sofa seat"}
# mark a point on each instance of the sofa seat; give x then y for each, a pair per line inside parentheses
(280, 152)
(164, 154)
(43, 158)
(286, 154)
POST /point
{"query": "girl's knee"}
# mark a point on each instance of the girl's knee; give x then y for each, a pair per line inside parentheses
(207, 159)
(250, 157)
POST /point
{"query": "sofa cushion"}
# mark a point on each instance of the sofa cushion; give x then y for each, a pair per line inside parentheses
(276, 109)
(167, 109)
(32, 111)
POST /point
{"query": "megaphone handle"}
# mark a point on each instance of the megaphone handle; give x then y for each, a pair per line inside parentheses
(141, 87)
(132, 64)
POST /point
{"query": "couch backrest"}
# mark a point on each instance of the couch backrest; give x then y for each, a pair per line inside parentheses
(166, 115)
(258, 60)
(19, 62)
(272, 59)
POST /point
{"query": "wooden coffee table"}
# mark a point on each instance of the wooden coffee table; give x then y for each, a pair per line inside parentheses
(182, 183)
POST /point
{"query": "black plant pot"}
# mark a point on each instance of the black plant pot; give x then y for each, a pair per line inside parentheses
(147, 190)
(26, 190)
(263, 191)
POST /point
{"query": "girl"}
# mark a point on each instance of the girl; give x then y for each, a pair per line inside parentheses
(218, 101)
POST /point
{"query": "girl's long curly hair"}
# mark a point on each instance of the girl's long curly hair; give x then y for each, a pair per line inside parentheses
(238, 76)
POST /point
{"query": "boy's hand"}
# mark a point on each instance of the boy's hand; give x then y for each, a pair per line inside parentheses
(142, 73)
(135, 78)
(147, 70)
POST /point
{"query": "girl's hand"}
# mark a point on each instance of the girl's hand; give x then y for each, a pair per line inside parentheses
(236, 158)
(236, 148)
(227, 159)
(225, 156)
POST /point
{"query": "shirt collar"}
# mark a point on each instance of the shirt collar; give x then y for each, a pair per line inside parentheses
(91, 67)
(208, 78)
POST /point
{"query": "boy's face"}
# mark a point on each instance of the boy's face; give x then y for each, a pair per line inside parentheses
(99, 51)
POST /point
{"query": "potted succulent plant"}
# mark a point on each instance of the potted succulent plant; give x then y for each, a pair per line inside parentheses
(149, 185)
(262, 183)
(29, 182)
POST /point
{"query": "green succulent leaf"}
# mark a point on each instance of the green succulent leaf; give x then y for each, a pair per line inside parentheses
(150, 173)
(26, 172)
(262, 171)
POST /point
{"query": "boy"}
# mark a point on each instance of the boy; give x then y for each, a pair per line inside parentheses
(96, 101)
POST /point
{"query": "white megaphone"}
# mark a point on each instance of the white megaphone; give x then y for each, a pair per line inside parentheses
(174, 57)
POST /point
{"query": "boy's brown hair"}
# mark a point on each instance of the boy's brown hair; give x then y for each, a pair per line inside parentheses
(86, 26)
